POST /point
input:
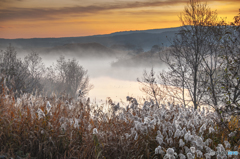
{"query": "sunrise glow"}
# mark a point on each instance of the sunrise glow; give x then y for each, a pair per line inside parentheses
(67, 18)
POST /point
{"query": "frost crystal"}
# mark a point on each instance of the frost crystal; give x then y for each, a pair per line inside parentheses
(136, 137)
(203, 128)
(159, 140)
(170, 151)
(199, 142)
(158, 150)
(146, 120)
(227, 144)
(95, 131)
(211, 130)
(170, 133)
(170, 141)
(48, 106)
(232, 134)
(187, 150)
(199, 154)
(127, 135)
(182, 156)
(64, 126)
(190, 156)
(188, 136)
(138, 125)
(170, 154)
(181, 143)
(76, 125)
(40, 113)
(192, 149)
(177, 133)
(208, 141)
(207, 156)
(220, 148)
(221, 156)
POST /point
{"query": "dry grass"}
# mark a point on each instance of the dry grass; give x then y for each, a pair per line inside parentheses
(66, 129)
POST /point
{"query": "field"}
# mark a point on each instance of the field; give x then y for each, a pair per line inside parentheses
(33, 126)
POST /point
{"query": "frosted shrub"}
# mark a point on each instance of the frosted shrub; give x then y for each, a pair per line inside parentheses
(159, 140)
(211, 130)
(40, 113)
(227, 144)
(170, 154)
(187, 136)
(170, 141)
(199, 154)
(193, 150)
(208, 141)
(190, 156)
(76, 121)
(207, 156)
(221, 156)
(203, 128)
(182, 156)
(158, 150)
(70, 106)
(146, 120)
(181, 143)
(220, 148)
(232, 134)
(177, 133)
(187, 150)
(199, 142)
(170, 131)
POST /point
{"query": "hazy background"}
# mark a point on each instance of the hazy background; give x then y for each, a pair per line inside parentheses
(114, 61)
(115, 82)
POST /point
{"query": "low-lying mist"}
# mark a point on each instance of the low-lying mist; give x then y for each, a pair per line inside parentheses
(115, 82)
(112, 76)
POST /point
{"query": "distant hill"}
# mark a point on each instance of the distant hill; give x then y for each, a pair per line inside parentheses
(82, 50)
(143, 38)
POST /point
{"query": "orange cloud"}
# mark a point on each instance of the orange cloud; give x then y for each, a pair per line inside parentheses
(21, 20)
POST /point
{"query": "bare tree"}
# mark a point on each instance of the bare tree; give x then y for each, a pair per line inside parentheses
(17, 74)
(68, 76)
(230, 68)
(35, 65)
(151, 87)
(188, 50)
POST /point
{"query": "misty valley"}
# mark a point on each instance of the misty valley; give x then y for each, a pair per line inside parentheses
(170, 93)
(108, 67)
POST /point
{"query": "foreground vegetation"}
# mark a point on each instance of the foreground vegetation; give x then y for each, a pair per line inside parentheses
(33, 126)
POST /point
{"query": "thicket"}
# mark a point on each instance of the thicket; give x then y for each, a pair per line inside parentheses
(29, 75)
(33, 126)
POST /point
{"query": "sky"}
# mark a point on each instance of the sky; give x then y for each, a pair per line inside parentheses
(72, 18)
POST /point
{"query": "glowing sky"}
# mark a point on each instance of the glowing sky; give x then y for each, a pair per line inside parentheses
(67, 18)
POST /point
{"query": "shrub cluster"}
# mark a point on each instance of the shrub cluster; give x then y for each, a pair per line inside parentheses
(33, 126)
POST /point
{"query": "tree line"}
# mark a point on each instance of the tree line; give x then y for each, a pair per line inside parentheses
(30, 75)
